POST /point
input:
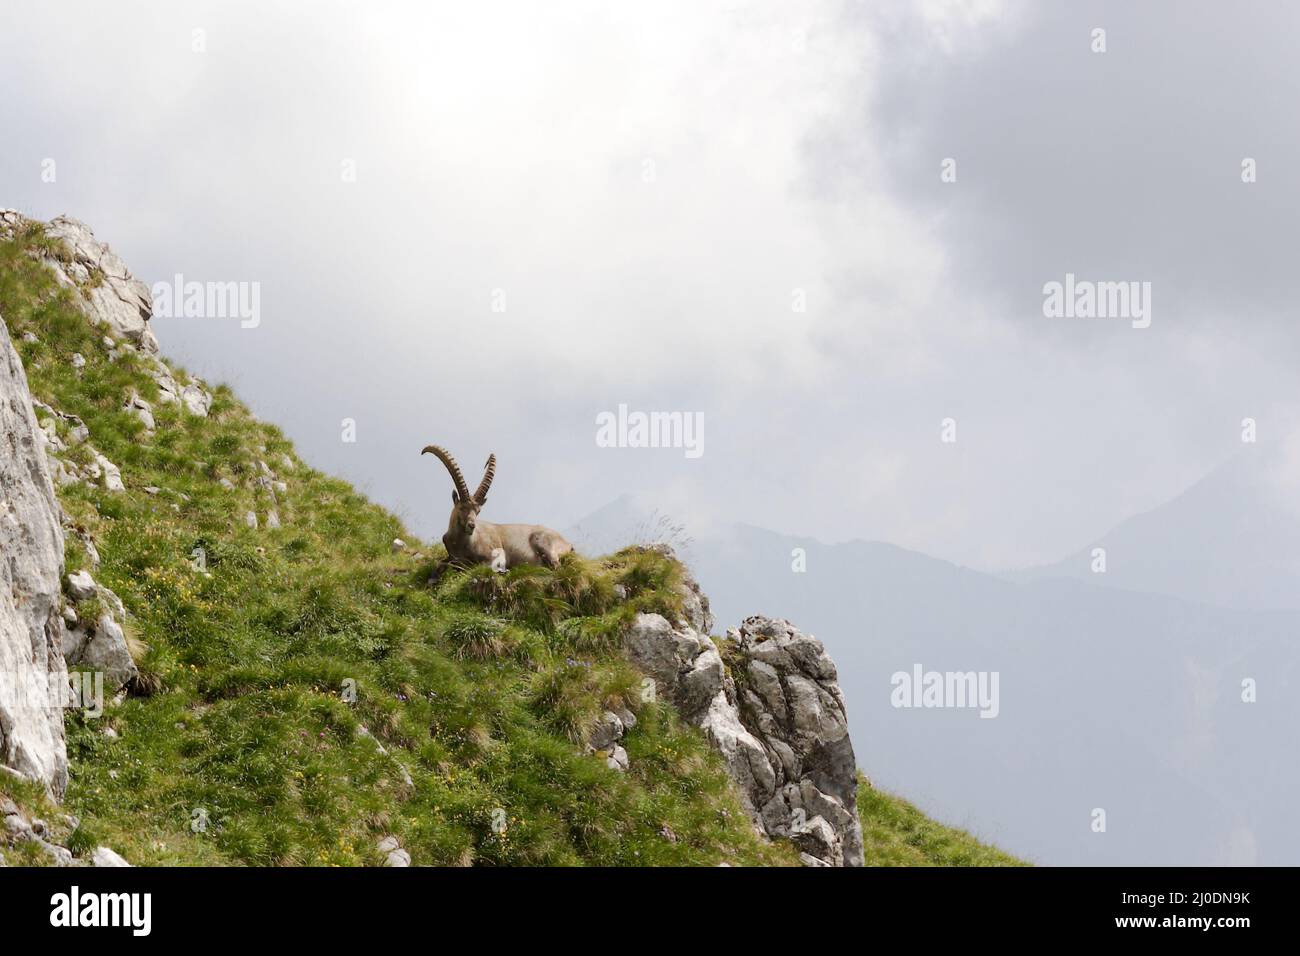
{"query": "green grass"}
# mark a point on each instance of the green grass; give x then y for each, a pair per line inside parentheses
(243, 744)
(895, 833)
(270, 680)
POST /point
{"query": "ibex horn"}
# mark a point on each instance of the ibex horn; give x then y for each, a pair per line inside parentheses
(489, 472)
(445, 457)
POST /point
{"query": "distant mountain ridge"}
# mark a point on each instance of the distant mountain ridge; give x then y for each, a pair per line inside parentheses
(1232, 540)
(1111, 699)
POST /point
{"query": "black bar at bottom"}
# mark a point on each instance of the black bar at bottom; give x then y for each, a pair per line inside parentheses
(335, 906)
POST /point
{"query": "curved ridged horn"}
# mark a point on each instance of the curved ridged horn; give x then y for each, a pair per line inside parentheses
(489, 472)
(444, 456)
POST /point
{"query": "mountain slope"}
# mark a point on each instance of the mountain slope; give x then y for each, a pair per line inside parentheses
(1232, 540)
(238, 743)
(297, 693)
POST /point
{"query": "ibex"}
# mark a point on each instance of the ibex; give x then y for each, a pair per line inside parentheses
(470, 541)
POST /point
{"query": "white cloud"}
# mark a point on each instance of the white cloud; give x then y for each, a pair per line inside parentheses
(505, 146)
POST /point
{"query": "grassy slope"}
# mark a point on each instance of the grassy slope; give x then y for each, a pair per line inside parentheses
(895, 833)
(479, 690)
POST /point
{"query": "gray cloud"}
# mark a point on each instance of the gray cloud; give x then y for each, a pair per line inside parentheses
(649, 189)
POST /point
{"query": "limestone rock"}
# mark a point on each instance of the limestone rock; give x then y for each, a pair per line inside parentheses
(33, 677)
(777, 719)
(394, 855)
(608, 731)
(102, 646)
(142, 409)
(81, 586)
(111, 474)
(688, 671)
(196, 400)
(192, 397)
(617, 759)
(792, 703)
(103, 856)
(110, 296)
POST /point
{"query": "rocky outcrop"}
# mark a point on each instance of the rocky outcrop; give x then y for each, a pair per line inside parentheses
(113, 298)
(192, 397)
(775, 713)
(604, 739)
(393, 853)
(99, 643)
(688, 671)
(33, 677)
(18, 827)
(97, 471)
(789, 698)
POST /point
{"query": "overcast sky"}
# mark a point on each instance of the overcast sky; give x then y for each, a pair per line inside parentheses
(652, 188)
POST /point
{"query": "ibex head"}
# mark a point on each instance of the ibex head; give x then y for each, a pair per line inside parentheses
(465, 507)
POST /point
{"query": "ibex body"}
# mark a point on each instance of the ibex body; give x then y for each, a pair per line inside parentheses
(471, 541)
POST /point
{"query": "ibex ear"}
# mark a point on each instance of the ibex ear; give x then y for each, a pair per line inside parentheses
(455, 498)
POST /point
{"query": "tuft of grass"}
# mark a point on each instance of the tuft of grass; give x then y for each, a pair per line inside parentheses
(83, 840)
(566, 697)
(475, 637)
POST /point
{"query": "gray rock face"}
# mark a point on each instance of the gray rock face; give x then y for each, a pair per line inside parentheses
(110, 295)
(113, 299)
(393, 853)
(196, 400)
(81, 586)
(142, 409)
(33, 677)
(617, 759)
(603, 739)
(777, 720)
(790, 700)
(191, 396)
(695, 605)
(78, 431)
(15, 828)
(100, 646)
(608, 732)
